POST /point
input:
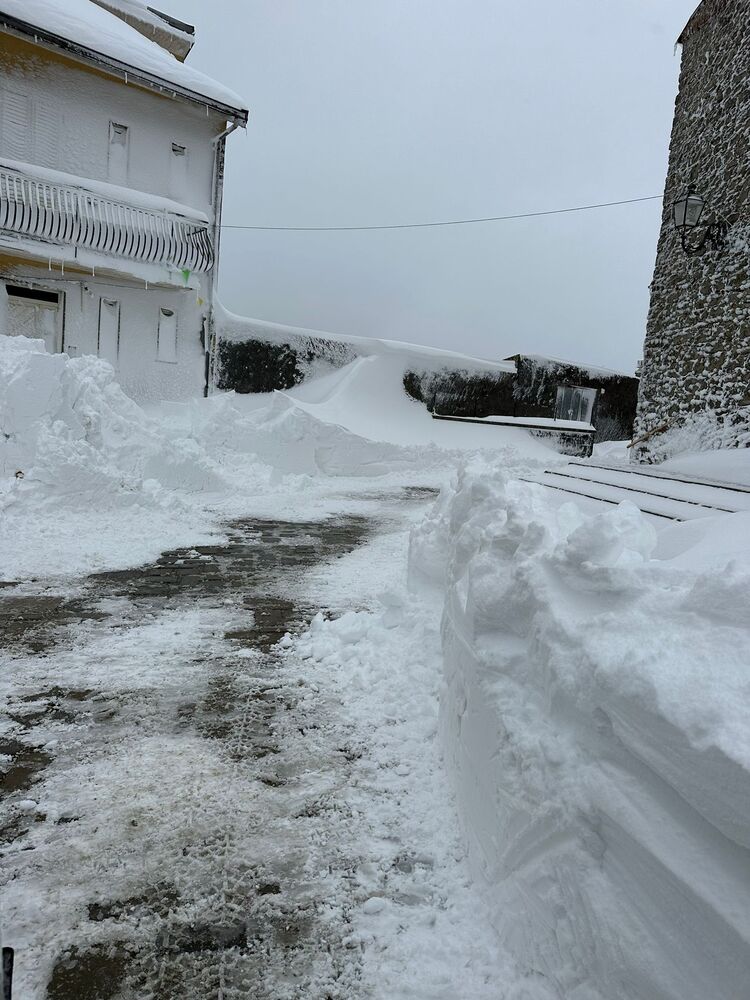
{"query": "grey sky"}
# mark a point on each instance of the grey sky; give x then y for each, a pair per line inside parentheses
(418, 110)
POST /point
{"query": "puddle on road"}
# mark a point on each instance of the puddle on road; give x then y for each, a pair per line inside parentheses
(24, 766)
(158, 899)
(257, 551)
(273, 618)
(405, 494)
(96, 974)
(30, 623)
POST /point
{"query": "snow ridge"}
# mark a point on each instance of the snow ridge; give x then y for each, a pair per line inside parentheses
(594, 722)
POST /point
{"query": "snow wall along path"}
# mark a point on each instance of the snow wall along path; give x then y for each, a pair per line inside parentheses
(594, 717)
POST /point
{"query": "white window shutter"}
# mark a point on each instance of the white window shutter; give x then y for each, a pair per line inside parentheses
(47, 136)
(166, 344)
(16, 126)
(119, 145)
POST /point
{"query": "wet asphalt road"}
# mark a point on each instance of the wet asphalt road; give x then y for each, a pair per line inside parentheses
(179, 836)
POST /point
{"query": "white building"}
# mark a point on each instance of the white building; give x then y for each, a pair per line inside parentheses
(111, 175)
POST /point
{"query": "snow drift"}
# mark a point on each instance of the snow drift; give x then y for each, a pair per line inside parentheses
(594, 717)
(90, 479)
(86, 478)
(67, 426)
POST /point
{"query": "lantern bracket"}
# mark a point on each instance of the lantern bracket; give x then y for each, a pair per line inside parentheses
(687, 213)
(714, 236)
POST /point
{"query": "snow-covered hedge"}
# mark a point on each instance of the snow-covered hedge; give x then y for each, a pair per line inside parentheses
(595, 719)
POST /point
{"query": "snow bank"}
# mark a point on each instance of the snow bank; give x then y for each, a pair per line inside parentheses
(67, 425)
(594, 717)
(88, 479)
(704, 431)
(83, 469)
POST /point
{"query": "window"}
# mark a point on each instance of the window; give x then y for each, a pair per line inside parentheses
(108, 341)
(34, 295)
(575, 402)
(29, 129)
(119, 143)
(178, 172)
(166, 343)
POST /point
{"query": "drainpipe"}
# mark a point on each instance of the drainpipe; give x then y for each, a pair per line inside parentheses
(220, 146)
(6, 973)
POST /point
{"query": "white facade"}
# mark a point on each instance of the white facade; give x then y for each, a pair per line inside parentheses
(110, 194)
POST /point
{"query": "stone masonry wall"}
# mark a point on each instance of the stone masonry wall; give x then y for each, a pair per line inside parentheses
(530, 392)
(697, 350)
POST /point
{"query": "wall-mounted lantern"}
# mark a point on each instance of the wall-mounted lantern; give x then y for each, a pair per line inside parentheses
(687, 212)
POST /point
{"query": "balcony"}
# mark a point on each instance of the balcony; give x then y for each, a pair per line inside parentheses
(35, 205)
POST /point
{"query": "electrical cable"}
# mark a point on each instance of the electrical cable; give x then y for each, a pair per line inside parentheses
(452, 222)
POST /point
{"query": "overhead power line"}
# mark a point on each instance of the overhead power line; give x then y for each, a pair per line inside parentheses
(452, 222)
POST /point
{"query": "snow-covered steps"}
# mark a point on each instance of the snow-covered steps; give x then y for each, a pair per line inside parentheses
(660, 494)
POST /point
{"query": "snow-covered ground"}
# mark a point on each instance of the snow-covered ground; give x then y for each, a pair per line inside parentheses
(350, 740)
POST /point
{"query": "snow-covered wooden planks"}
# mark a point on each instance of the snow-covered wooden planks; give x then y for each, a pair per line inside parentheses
(663, 495)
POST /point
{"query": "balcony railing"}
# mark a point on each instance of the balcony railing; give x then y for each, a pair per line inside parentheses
(71, 216)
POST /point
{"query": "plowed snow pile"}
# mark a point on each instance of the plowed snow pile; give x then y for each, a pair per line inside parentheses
(595, 720)
(85, 477)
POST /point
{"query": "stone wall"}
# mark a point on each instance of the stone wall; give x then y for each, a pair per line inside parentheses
(697, 350)
(536, 393)
(530, 392)
(256, 365)
(462, 393)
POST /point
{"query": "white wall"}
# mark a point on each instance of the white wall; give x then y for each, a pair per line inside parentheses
(135, 355)
(140, 373)
(58, 116)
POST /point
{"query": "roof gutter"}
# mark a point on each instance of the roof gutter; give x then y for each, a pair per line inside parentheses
(17, 27)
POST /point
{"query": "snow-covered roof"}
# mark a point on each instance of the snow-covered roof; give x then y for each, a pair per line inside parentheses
(103, 35)
(173, 35)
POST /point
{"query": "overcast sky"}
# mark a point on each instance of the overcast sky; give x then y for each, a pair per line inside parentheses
(368, 113)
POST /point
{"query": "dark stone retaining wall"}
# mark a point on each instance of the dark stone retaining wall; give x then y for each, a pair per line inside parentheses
(532, 392)
(697, 350)
(462, 393)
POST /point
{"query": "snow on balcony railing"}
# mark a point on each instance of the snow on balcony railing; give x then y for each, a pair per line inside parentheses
(71, 216)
